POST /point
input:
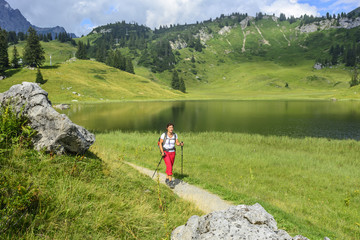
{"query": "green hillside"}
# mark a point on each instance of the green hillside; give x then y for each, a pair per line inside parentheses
(254, 60)
(230, 57)
(79, 80)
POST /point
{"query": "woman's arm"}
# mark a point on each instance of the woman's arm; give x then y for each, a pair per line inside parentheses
(161, 147)
(178, 143)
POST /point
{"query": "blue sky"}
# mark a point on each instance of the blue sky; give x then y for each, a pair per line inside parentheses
(333, 6)
(80, 16)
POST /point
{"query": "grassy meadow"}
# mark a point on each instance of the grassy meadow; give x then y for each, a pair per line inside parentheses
(221, 71)
(94, 81)
(44, 196)
(311, 186)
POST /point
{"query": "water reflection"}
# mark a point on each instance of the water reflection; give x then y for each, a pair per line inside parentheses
(292, 118)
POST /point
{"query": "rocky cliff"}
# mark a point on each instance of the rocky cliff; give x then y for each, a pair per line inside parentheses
(12, 20)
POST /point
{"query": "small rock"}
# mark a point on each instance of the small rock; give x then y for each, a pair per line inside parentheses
(62, 106)
(318, 66)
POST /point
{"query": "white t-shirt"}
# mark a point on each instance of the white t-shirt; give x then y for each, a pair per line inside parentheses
(169, 143)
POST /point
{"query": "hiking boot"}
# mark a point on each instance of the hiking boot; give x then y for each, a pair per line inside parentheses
(167, 181)
(172, 184)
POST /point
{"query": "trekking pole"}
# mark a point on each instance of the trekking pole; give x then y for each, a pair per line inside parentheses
(182, 159)
(157, 167)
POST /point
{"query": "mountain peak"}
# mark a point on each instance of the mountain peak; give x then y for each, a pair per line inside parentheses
(4, 4)
(13, 20)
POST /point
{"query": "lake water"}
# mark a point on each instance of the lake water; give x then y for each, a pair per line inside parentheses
(339, 120)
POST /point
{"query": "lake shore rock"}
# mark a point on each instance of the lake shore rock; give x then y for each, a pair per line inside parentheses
(62, 106)
(55, 131)
(240, 222)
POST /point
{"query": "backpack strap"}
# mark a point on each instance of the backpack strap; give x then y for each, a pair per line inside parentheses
(165, 138)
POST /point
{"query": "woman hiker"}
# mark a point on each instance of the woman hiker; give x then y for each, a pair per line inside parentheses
(167, 149)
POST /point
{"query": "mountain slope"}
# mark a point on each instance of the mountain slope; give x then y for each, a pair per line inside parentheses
(80, 80)
(12, 20)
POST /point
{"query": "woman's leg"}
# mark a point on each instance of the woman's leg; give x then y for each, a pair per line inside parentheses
(169, 162)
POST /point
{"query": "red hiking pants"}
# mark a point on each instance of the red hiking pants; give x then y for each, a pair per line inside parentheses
(169, 162)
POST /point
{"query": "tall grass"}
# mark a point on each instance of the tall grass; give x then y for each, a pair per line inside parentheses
(43, 196)
(310, 185)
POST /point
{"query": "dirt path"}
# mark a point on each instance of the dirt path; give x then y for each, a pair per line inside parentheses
(205, 201)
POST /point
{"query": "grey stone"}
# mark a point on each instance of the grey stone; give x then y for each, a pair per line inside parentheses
(240, 222)
(55, 132)
(346, 23)
(318, 66)
(62, 106)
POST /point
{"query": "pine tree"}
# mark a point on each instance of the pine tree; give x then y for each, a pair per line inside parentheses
(39, 77)
(129, 66)
(81, 52)
(175, 82)
(34, 54)
(4, 57)
(182, 85)
(100, 55)
(15, 59)
(354, 79)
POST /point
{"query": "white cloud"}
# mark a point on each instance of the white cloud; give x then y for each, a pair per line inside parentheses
(290, 8)
(153, 13)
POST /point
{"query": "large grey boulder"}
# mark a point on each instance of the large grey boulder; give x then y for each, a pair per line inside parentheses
(240, 222)
(55, 131)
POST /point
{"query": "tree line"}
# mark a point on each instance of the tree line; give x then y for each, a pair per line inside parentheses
(15, 38)
(112, 58)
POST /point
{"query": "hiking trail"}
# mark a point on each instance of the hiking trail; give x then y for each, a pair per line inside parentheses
(205, 201)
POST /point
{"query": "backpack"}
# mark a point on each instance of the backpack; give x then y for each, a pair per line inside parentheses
(166, 137)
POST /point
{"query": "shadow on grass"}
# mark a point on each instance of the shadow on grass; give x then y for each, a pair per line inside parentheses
(180, 176)
(51, 67)
(12, 72)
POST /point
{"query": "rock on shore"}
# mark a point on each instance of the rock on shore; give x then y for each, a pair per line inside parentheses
(55, 132)
(240, 222)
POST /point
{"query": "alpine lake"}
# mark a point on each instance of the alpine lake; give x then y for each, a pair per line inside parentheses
(320, 119)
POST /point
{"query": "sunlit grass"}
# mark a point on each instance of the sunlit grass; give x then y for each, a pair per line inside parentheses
(310, 185)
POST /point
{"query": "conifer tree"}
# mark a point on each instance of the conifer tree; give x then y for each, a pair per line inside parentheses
(34, 54)
(354, 79)
(175, 82)
(15, 59)
(4, 57)
(81, 52)
(182, 87)
(129, 66)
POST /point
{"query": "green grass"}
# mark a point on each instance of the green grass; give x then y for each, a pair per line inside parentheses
(221, 70)
(310, 185)
(79, 197)
(94, 81)
(60, 52)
